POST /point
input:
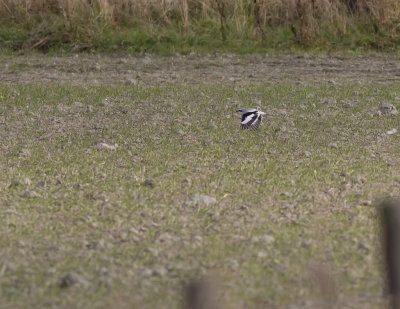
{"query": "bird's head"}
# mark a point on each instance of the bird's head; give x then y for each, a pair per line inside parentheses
(239, 110)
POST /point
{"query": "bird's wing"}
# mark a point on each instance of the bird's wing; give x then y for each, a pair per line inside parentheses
(248, 119)
(248, 110)
(256, 123)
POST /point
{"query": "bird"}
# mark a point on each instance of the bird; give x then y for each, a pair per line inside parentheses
(251, 118)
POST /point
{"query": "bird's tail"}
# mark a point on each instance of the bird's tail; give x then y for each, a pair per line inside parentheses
(268, 115)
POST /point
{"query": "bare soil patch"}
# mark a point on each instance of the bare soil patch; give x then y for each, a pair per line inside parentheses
(113, 69)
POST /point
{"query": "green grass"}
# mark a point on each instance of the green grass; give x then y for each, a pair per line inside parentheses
(204, 36)
(306, 178)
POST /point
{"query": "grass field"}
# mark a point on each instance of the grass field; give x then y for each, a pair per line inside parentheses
(294, 199)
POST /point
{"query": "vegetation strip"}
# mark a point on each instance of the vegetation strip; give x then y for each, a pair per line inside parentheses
(168, 27)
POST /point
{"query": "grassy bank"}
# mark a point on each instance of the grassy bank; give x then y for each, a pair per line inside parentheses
(183, 26)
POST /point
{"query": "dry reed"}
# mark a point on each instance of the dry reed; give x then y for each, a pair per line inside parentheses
(309, 20)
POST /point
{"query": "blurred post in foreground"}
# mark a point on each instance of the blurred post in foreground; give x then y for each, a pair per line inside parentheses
(391, 233)
(200, 294)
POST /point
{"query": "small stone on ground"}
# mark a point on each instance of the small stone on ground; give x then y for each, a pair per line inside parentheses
(200, 200)
(104, 146)
(71, 279)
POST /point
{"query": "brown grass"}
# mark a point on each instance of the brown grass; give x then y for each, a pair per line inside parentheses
(272, 12)
(307, 19)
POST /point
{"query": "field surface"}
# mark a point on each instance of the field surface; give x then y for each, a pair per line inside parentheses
(102, 158)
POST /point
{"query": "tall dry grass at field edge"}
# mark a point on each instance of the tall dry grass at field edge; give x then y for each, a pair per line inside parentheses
(308, 20)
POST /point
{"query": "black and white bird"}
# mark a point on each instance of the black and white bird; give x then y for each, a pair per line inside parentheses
(251, 118)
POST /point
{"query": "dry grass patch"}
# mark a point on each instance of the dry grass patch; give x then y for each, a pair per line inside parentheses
(185, 25)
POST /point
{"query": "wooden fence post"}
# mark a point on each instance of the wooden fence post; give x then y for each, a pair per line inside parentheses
(391, 234)
(199, 294)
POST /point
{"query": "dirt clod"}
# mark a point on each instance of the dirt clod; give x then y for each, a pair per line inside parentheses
(388, 109)
(30, 194)
(149, 183)
(72, 279)
(333, 145)
(265, 239)
(40, 183)
(358, 180)
(13, 184)
(131, 81)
